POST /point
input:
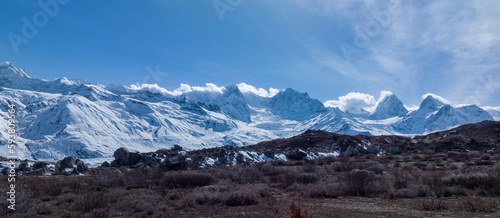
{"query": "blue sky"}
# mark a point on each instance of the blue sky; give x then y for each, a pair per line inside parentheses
(323, 47)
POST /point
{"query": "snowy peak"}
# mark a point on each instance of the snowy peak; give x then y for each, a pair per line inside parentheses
(293, 105)
(7, 70)
(432, 102)
(389, 106)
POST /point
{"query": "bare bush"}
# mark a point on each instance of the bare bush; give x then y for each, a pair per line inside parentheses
(307, 178)
(186, 180)
(433, 205)
(295, 211)
(90, 201)
(478, 204)
(358, 183)
(241, 198)
(110, 177)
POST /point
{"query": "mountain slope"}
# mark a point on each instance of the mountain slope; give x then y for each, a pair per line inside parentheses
(76, 118)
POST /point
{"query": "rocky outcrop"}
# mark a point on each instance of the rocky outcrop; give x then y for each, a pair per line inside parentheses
(75, 167)
(124, 157)
(350, 152)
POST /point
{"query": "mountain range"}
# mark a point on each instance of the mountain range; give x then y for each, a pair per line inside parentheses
(77, 118)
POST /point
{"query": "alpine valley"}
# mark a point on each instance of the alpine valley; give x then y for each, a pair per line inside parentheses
(76, 118)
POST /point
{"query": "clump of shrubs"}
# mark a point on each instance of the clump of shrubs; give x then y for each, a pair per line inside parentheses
(186, 180)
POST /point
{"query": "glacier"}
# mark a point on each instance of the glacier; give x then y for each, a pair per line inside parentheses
(76, 118)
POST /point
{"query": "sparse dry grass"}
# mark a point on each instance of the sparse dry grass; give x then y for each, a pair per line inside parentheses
(442, 183)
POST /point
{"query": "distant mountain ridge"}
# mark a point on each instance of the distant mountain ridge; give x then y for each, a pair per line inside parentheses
(76, 118)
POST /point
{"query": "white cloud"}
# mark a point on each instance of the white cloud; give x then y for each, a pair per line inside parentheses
(353, 101)
(245, 88)
(154, 88)
(383, 95)
(436, 97)
(209, 87)
(184, 88)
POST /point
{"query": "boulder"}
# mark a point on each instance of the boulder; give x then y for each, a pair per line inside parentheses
(177, 148)
(147, 159)
(105, 164)
(59, 170)
(81, 167)
(296, 155)
(120, 153)
(114, 163)
(395, 150)
(372, 149)
(350, 152)
(67, 162)
(175, 162)
(240, 159)
(39, 172)
(40, 165)
(130, 159)
(24, 166)
(125, 157)
(269, 153)
(222, 157)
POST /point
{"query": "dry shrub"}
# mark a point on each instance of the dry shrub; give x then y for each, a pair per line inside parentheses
(435, 183)
(309, 168)
(42, 186)
(307, 178)
(413, 191)
(370, 165)
(90, 201)
(478, 204)
(283, 180)
(247, 175)
(134, 176)
(186, 180)
(401, 179)
(433, 205)
(110, 177)
(138, 186)
(473, 180)
(324, 191)
(241, 198)
(359, 183)
(294, 211)
(207, 197)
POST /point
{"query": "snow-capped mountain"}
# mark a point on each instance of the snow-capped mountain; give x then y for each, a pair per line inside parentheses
(389, 106)
(76, 118)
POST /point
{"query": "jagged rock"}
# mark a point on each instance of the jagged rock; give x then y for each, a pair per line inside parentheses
(39, 165)
(350, 152)
(24, 166)
(125, 157)
(114, 163)
(39, 172)
(131, 159)
(372, 149)
(105, 164)
(147, 159)
(67, 162)
(177, 148)
(296, 155)
(59, 170)
(175, 162)
(395, 150)
(81, 167)
(269, 154)
(240, 159)
(222, 156)
(120, 153)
